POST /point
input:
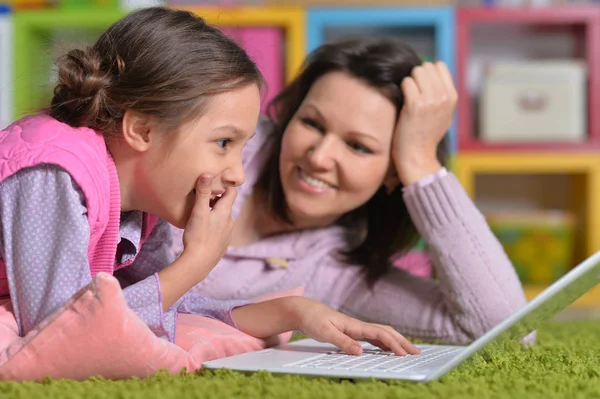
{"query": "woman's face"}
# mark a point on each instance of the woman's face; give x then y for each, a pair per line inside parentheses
(335, 151)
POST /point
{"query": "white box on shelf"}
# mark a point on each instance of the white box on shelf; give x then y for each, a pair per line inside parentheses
(534, 101)
(5, 67)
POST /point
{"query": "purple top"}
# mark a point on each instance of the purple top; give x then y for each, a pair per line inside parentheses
(44, 236)
(476, 285)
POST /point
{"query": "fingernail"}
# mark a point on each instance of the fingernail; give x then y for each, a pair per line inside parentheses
(356, 350)
(205, 179)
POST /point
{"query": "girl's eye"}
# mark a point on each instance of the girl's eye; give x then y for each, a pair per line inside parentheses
(361, 149)
(313, 124)
(223, 143)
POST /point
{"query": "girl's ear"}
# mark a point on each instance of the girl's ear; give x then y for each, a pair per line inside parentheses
(137, 129)
(391, 180)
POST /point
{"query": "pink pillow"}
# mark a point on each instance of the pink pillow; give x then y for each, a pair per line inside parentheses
(96, 334)
(415, 262)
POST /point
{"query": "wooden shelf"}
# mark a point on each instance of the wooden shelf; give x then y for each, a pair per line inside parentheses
(31, 61)
(572, 14)
(585, 165)
(475, 145)
(587, 21)
(291, 19)
(591, 300)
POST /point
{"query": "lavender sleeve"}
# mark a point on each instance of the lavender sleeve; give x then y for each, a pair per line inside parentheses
(44, 239)
(142, 288)
(477, 286)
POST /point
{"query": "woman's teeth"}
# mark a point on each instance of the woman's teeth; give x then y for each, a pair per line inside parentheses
(316, 183)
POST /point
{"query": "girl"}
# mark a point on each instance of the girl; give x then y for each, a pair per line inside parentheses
(145, 128)
(343, 176)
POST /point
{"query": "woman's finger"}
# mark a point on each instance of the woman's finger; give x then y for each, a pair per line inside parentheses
(411, 91)
(447, 81)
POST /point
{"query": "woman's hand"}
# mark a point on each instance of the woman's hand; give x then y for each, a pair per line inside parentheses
(324, 324)
(320, 322)
(429, 102)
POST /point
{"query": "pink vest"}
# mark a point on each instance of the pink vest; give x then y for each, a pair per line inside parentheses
(82, 152)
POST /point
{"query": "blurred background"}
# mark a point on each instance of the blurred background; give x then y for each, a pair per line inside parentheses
(526, 137)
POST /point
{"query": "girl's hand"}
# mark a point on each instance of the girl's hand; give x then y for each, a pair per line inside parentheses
(429, 102)
(327, 325)
(208, 232)
(205, 240)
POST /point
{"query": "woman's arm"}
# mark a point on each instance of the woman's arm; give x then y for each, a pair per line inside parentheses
(477, 285)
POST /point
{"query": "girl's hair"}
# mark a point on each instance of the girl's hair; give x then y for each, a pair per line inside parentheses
(157, 61)
(383, 64)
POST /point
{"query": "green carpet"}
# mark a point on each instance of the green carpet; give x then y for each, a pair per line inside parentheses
(564, 363)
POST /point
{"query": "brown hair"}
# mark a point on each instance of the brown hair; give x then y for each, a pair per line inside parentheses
(157, 61)
(383, 64)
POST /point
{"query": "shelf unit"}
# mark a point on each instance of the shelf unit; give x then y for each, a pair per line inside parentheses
(291, 19)
(439, 19)
(32, 62)
(35, 27)
(585, 19)
(585, 167)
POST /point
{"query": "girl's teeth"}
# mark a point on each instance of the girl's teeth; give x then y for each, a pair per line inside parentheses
(313, 182)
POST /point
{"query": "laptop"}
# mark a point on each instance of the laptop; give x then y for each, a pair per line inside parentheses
(309, 357)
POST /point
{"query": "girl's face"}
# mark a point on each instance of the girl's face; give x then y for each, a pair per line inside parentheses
(335, 151)
(211, 143)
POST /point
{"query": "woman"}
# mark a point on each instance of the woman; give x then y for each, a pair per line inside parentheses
(344, 175)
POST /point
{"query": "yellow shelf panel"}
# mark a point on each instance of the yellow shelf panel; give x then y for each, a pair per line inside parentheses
(527, 162)
(468, 165)
(290, 18)
(591, 300)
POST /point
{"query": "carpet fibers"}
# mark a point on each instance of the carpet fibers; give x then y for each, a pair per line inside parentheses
(564, 363)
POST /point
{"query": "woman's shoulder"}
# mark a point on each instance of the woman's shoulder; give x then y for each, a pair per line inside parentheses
(260, 142)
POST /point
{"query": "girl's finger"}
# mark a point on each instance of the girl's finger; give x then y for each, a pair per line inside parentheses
(225, 203)
(203, 193)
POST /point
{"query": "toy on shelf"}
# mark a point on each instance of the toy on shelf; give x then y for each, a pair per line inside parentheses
(582, 196)
(539, 243)
(5, 66)
(534, 101)
(486, 36)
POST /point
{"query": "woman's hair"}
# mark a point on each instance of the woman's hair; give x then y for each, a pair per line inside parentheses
(157, 61)
(383, 64)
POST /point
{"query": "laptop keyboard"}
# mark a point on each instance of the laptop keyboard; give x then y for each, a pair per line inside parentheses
(374, 360)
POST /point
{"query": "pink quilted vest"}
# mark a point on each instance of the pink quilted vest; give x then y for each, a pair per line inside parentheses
(82, 152)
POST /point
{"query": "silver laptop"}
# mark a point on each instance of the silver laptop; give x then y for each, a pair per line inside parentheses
(310, 357)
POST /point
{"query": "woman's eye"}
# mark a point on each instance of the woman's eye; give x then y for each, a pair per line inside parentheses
(361, 149)
(223, 143)
(313, 124)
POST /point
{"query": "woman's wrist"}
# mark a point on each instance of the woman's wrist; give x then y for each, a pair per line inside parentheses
(413, 169)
